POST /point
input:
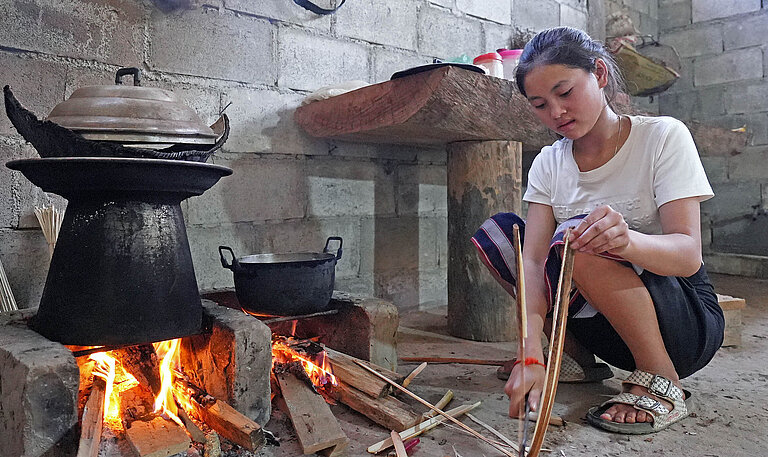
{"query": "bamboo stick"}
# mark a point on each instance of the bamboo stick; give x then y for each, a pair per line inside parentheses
(441, 404)
(7, 301)
(501, 436)
(414, 373)
(423, 427)
(438, 411)
(522, 334)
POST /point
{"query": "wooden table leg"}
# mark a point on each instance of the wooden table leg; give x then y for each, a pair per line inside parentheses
(484, 178)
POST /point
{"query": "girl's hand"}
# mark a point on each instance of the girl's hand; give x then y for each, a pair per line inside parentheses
(534, 383)
(603, 230)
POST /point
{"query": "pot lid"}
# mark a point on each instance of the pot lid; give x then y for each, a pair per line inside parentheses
(133, 115)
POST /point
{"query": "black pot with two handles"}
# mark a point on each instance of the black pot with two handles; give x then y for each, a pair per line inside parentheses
(284, 284)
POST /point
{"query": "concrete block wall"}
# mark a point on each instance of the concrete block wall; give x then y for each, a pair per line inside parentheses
(289, 191)
(723, 49)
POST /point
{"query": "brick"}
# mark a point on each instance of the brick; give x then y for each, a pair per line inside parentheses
(535, 14)
(710, 102)
(746, 98)
(310, 235)
(752, 266)
(705, 10)
(573, 17)
(421, 190)
(732, 199)
(443, 35)
(433, 240)
(400, 153)
(361, 284)
(109, 31)
(646, 104)
(746, 32)
(679, 105)
(348, 188)
(233, 362)
(214, 45)
(37, 84)
(641, 6)
(748, 166)
(25, 261)
(695, 42)
(497, 36)
(673, 14)
(433, 290)
(499, 11)
(282, 11)
(649, 25)
(685, 82)
(391, 23)
(252, 192)
(730, 66)
(203, 245)
(261, 120)
(716, 168)
(387, 61)
(308, 61)
(401, 287)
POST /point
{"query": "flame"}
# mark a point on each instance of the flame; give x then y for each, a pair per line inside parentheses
(117, 381)
(168, 353)
(319, 371)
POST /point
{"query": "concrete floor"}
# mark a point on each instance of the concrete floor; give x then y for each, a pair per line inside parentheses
(731, 412)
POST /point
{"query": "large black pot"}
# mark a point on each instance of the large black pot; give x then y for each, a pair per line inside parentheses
(284, 284)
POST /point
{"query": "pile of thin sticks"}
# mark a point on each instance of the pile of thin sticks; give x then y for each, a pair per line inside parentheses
(7, 302)
(50, 221)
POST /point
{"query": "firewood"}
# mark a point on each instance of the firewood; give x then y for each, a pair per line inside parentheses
(141, 361)
(345, 367)
(397, 442)
(157, 438)
(387, 411)
(230, 424)
(194, 431)
(220, 416)
(441, 404)
(93, 416)
(313, 421)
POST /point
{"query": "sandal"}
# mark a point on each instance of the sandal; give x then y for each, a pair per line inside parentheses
(662, 417)
(570, 371)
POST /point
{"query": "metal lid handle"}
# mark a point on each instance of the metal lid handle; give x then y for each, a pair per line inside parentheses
(128, 71)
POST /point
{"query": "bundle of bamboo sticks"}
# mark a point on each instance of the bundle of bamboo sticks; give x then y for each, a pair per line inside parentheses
(50, 221)
(7, 302)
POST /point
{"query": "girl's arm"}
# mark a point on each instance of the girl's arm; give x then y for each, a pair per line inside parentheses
(677, 252)
(539, 228)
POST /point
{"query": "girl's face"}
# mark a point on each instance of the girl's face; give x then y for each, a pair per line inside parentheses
(565, 99)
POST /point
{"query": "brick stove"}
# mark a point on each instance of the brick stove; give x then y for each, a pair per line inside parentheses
(230, 359)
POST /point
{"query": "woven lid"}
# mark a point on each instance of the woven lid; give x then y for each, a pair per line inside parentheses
(132, 115)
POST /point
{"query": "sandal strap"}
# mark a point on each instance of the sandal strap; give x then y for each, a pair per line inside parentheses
(657, 385)
(643, 402)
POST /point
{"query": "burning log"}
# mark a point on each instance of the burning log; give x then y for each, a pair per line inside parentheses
(141, 361)
(220, 416)
(387, 411)
(346, 367)
(313, 421)
(158, 437)
(93, 416)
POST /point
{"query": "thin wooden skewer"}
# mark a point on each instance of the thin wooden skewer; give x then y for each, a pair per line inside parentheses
(438, 411)
(522, 327)
(494, 362)
(557, 339)
(439, 405)
(501, 436)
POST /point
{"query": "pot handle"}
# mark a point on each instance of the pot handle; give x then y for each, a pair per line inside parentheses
(232, 265)
(128, 71)
(338, 251)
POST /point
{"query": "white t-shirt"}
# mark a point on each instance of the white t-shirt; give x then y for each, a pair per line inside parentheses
(657, 164)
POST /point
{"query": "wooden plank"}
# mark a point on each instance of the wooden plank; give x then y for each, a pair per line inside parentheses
(430, 108)
(156, 438)
(728, 302)
(230, 424)
(387, 411)
(92, 423)
(313, 421)
(345, 367)
(732, 307)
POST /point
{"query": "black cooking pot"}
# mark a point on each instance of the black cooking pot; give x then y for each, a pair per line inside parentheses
(284, 284)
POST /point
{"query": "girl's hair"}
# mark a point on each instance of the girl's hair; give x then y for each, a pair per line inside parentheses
(570, 47)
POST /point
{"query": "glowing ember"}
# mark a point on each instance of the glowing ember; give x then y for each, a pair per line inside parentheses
(168, 353)
(117, 381)
(317, 367)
